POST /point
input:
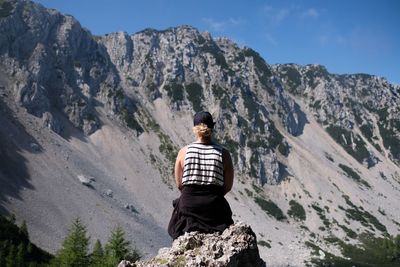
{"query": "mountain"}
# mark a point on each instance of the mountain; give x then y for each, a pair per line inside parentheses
(90, 127)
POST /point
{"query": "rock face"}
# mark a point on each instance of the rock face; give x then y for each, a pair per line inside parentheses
(235, 247)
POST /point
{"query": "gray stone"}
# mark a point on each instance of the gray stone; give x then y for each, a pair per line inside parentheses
(109, 193)
(34, 147)
(235, 247)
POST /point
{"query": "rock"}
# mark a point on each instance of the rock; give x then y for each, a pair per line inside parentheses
(109, 193)
(125, 263)
(34, 146)
(51, 122)
(235, 247)
(85, 180)
(131, 208)
(371, 161)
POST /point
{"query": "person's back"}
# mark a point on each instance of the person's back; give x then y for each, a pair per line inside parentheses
(203, 165)
(204, 174)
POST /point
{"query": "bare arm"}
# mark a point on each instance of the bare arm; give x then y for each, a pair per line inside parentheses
(228, 171)
(179, 167)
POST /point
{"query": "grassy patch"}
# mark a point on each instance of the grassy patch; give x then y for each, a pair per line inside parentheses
(293, 78)
(5, 9)
(249, 102)
(195, 95)
(275, 137)
(232, 146)
(131, 122)
(256, 188)
(372, 252)
(217, 53)
(350, 233)
(296, 210)
(345, 138)
(321, 214)
(248, 192)
(263, 70)
(353, 175)
(270, 208)
(284, 149)
(264, 243)
(174, 91)
(167, 147)
(363, 216)
(367, 131)
(390, 139)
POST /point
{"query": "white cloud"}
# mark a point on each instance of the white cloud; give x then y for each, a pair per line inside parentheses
(311, 13)
(332, 39)
(276, 15)
(271, 40)
(221, 26)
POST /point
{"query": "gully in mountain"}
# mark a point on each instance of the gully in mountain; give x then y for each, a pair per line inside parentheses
(203, 174)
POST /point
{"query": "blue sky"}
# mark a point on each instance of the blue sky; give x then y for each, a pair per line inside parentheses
(346, 36)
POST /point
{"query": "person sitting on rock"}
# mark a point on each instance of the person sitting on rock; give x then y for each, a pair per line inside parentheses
(203, 174)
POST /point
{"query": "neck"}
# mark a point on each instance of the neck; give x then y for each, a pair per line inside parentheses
(204, 140)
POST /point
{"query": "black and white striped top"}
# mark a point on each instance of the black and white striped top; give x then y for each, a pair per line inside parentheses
(203, 165)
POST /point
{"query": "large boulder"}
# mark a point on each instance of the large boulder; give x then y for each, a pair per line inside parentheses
(235, 247)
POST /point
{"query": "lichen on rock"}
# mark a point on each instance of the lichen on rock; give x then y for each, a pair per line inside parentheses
(235, 247)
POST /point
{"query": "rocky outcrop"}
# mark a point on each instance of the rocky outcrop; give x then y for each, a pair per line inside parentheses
(235, 247)
(360, 111)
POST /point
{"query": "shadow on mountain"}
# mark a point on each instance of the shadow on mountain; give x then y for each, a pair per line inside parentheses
(14, 174)
(296, 120)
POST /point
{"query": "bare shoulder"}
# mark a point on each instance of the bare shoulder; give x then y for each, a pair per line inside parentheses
(182, 152)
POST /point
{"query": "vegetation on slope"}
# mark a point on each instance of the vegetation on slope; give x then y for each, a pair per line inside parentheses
(353, 144)
(353, 175)
(270, 208)
(16, 248)
(296, 210)
(372, 252)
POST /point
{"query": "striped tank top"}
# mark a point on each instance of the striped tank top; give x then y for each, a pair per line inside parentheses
(203, 165)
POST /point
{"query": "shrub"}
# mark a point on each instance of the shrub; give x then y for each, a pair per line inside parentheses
(195, 95)
(354, 175)
(131, 122)
(390, 140)
(264, 243)
(344, 137)
(16, 248)
(270, 208)
(373, 252)
(275, 137)
(174, 91)
(5, 8)
(296, 210)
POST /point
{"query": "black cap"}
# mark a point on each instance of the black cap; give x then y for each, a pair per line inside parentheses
(204, 117)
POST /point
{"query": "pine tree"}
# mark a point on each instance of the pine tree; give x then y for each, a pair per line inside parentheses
(3, 252)
(21, 255)
(97, 256)
(118, 248)
(23, 230)
(12, 254)
(74, 252)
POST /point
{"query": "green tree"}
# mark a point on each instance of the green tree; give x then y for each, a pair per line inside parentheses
(118, 248)
(12, 254)
(21, 255)
(23, 230)
(97, 256)
(74, 252)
